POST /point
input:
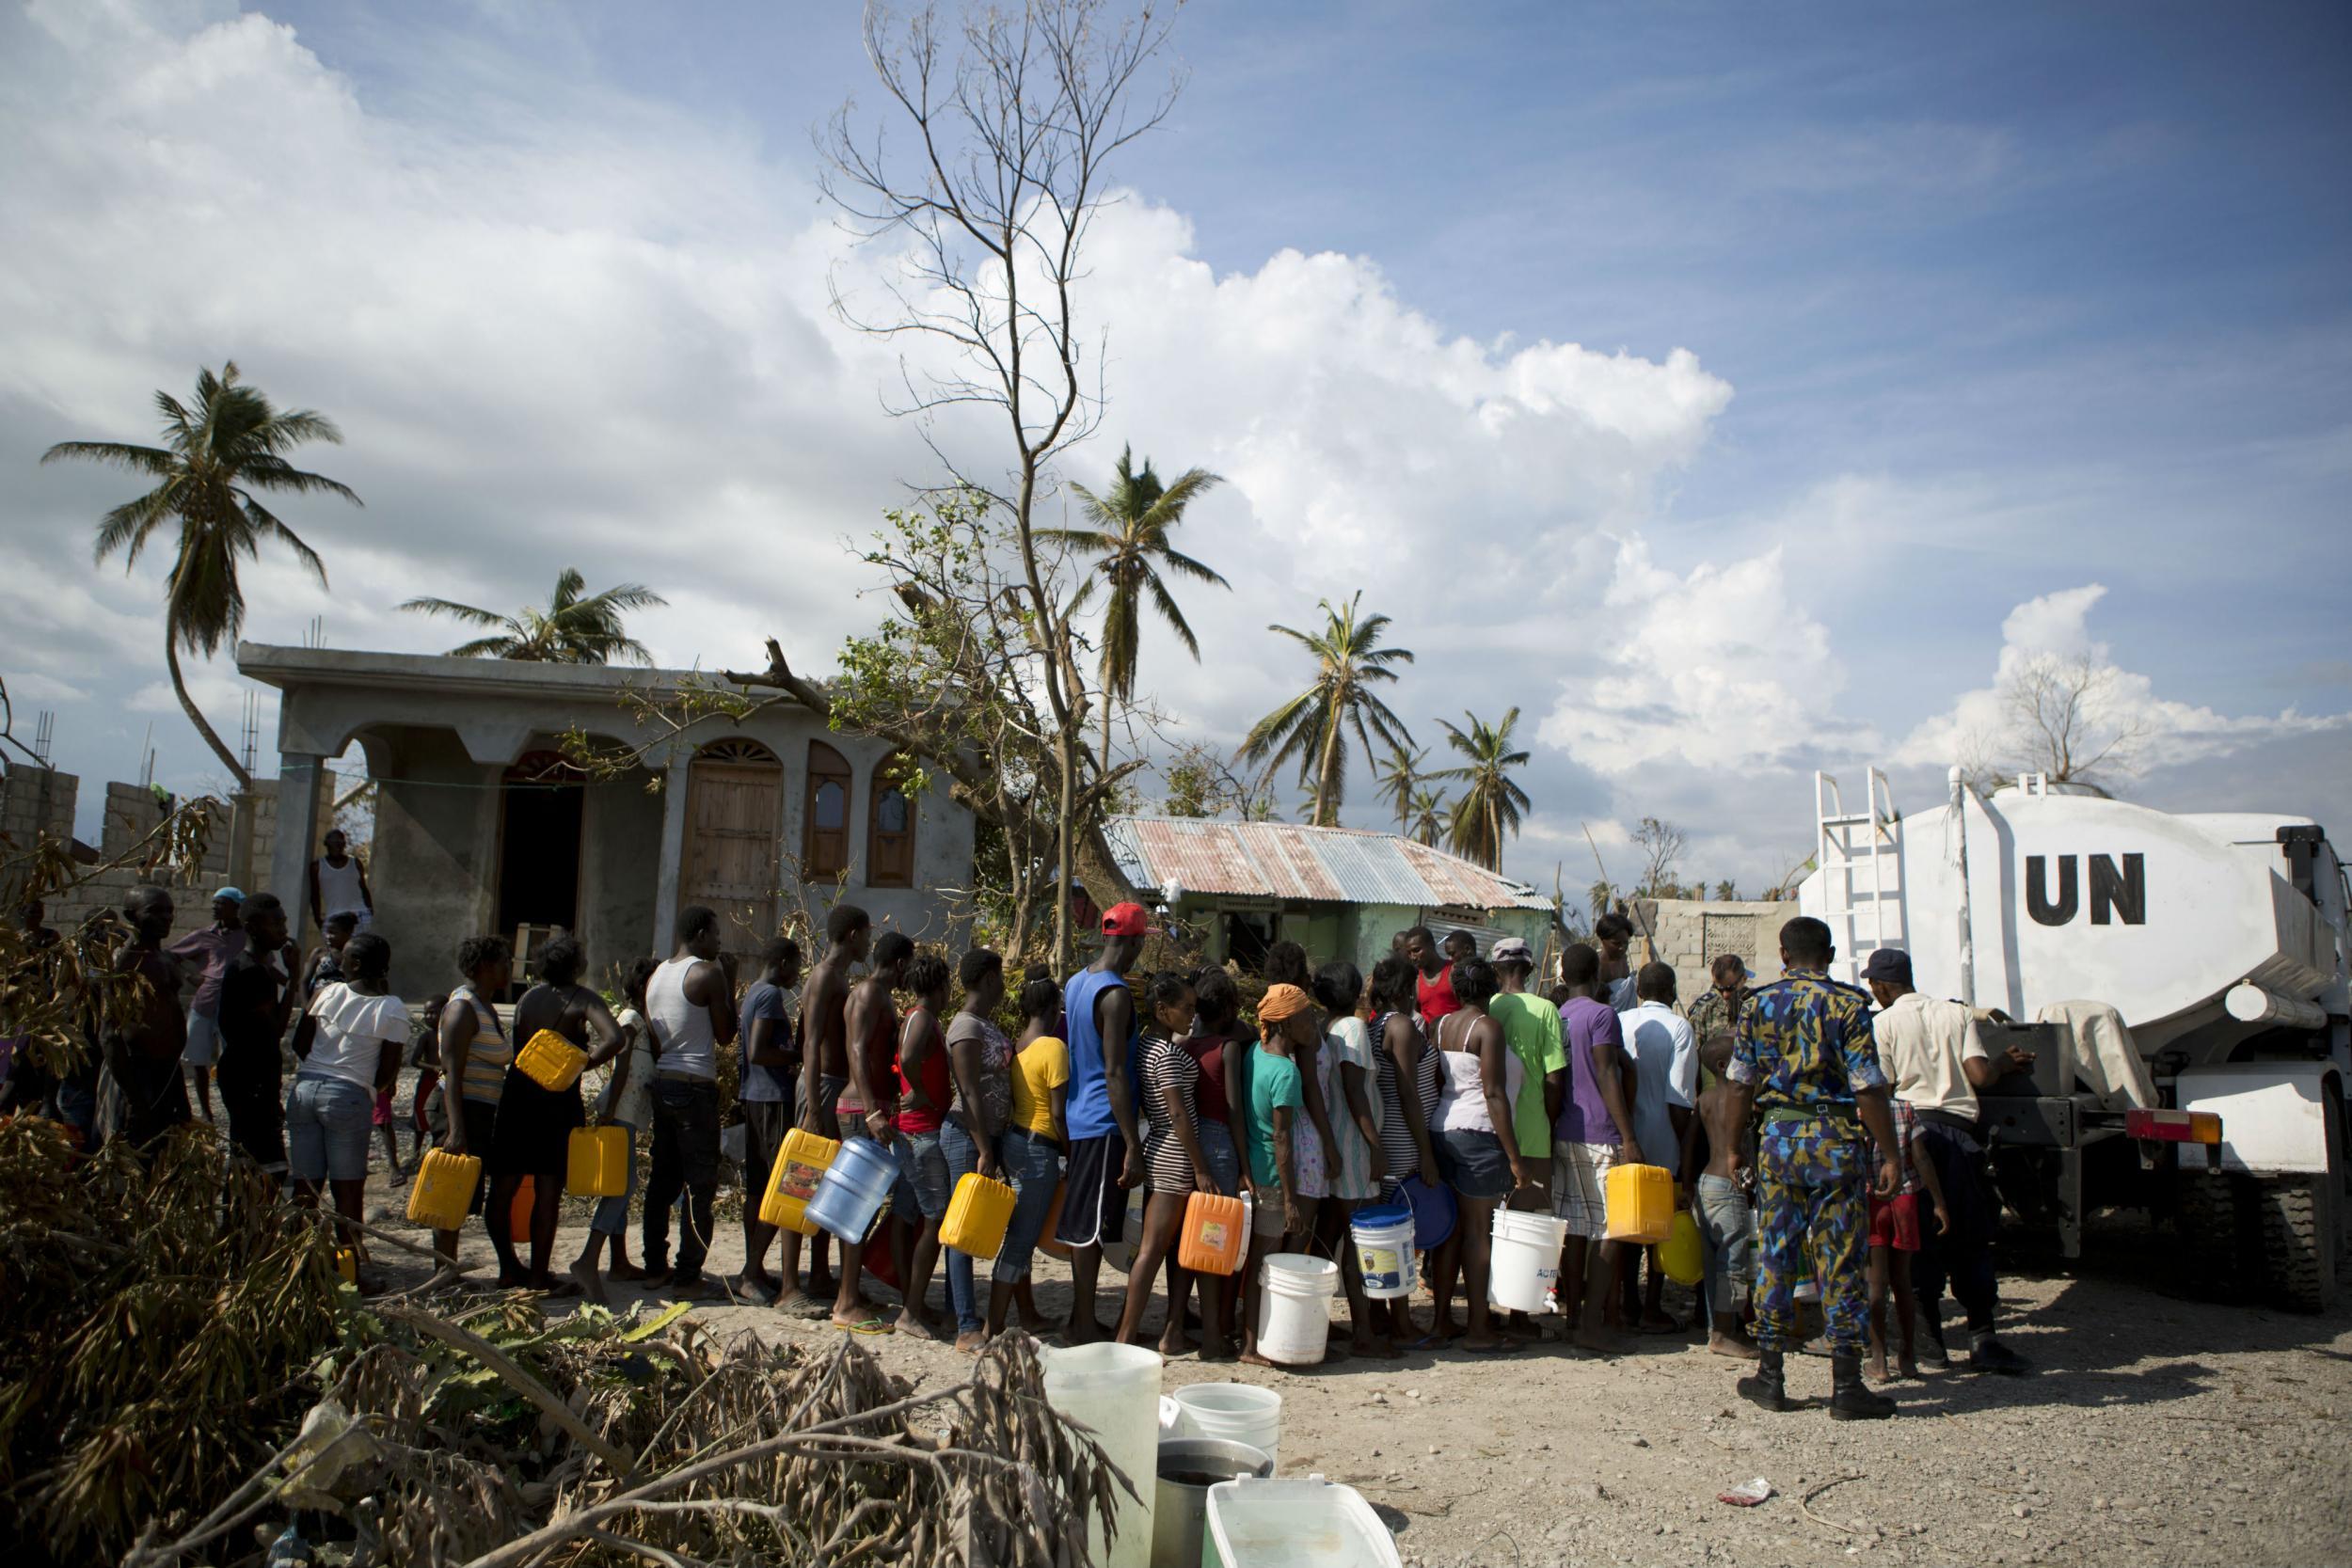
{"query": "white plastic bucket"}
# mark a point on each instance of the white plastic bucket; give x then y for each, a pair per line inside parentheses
(1121, 1253)
(1384, 1250)
(1294, 1307)
(1237, 1412)
(1524, 1272)
(1295, 1524)
(1114, 1389)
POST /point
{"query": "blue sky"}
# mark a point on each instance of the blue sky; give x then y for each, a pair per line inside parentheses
(1977, 307)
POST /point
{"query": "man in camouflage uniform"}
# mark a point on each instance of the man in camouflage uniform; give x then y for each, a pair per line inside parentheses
(1719, 1009)
(1806, 1066)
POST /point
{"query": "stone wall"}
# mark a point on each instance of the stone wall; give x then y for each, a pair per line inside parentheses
(32, 802)
(1690, 932)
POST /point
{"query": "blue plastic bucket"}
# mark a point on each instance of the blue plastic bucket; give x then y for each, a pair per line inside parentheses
(1433, 1211)
(855, 1188)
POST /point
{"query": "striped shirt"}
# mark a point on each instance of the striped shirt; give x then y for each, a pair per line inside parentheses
(489, 1056)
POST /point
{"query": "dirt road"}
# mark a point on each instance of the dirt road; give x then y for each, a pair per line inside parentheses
(2159, 1431)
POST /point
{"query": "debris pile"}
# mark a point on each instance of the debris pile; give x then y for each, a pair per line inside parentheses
(185, 1373)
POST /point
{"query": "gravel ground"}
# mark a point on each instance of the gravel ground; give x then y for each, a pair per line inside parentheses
(2160, 1430)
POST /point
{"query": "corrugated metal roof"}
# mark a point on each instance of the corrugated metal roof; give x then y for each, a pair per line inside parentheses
(1284, 859)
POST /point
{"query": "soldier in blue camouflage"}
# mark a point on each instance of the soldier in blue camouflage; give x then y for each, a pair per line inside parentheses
(1806, 1067)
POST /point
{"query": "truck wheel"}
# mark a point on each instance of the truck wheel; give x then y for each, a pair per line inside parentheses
(2300, 1230)
(2219, 1253)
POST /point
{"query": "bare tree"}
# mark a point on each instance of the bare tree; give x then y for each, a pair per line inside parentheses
(1660, 843)
(2058, 719)
(1016, 117)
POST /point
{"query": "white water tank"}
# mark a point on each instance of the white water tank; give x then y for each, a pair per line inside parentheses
(2078, 897)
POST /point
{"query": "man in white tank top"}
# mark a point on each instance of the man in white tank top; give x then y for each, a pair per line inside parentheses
(338, 884)
(690, 1006)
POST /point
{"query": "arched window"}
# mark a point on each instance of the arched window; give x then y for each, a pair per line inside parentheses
(890, 827)
(825, 847)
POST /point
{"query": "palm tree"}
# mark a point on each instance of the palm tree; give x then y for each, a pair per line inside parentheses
(1399, 776)
(1490, 803)
(1312, 726)
(217, 454)
(1428, 816)
(571, 630)
(1131, 526)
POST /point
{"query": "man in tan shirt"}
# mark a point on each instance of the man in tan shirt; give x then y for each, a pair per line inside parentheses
(1937, 1064)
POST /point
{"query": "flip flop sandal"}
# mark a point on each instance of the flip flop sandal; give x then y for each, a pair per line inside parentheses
(871, 1326)
(1503, 1347)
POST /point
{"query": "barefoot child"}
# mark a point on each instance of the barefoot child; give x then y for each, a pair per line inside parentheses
(628, 1104)
(1714, 1171)
(1277, 1101)
(1895, 1229)
(1174, 1169)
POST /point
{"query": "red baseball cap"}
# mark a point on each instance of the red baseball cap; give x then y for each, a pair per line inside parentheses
(1126, 920)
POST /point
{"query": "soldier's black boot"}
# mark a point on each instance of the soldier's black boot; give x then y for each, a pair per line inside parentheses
(1765, 1386)
(1850, 1399)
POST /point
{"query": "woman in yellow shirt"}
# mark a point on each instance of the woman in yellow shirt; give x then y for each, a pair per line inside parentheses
(1033, 1144)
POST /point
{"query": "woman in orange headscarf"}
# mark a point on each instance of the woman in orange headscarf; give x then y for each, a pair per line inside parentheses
(1276, 1101)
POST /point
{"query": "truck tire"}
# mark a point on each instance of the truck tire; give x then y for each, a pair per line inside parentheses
(2301, 1231)
(2218, 1243)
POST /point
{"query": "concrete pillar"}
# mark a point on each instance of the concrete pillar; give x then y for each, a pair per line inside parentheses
(674, 785)
(299, 823)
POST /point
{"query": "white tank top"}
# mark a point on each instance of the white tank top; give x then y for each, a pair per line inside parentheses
(1462, 1102)
(338, 887)
(684, 1029)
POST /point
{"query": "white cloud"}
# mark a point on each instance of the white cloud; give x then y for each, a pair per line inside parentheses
(1718, 668)
(2057, 627)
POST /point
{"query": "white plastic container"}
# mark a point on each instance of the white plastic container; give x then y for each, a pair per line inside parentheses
(1238, 1412)
(1115, 1389)
(1121, 1253)
(1294, 1307)
(1524, 1273)
(1295, 1523)
(1384, 1251)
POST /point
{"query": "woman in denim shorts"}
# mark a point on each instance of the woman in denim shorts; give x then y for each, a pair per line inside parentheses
(349, 1043)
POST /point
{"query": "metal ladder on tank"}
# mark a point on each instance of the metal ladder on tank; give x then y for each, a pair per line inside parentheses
(1862, 867)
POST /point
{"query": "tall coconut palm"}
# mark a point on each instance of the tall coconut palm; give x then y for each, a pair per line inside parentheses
(1399, 776)
(230, 443)
(1489, 804)
(1132, 524)
(573, 629)
(1314, 726)
(1428, 816)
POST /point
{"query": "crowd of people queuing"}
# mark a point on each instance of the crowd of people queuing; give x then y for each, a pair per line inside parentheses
(1824, 1150)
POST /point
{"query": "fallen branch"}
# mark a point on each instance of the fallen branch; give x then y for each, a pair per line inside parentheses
(520, 1381)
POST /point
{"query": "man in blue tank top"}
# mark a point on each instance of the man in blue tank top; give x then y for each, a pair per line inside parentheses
(1106, 1153)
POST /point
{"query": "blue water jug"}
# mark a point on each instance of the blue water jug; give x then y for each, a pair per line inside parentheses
(856, 1189)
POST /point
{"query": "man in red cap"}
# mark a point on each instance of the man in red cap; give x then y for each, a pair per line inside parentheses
(1100, 1113)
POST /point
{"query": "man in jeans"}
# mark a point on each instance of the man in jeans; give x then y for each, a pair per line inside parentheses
(771, 1062)
(1937, 1064)
(691, 1010)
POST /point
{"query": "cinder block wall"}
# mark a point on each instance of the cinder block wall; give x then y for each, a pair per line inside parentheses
(1690, 932)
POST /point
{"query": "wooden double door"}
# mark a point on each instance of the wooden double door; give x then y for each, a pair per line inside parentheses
(734, 814)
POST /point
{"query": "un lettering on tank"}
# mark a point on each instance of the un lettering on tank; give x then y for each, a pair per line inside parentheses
(2119, 889)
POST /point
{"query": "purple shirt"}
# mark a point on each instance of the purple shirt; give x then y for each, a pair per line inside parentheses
(217, 947)
(1584, 1115)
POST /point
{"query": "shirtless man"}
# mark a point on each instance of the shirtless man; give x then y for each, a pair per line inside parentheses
(868, 1108)
(140, 1044)
(1714, 1173)
(824, 1074)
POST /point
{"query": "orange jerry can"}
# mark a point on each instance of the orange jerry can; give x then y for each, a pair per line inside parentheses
(977, 1216)
(1046, 1241)
(1216, 1237)
(551, 1061)
(596, 1162)
(444, 1191)
(1641, 1204)
(801, 1164)
(518, 1212)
